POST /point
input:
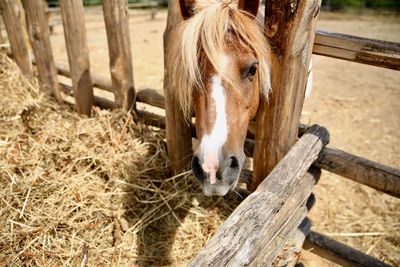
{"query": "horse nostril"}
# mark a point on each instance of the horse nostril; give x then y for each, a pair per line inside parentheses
(232, 170)
(197, 169)
(233, 162)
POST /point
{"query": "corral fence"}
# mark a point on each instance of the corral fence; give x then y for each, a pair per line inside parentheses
(271, 225)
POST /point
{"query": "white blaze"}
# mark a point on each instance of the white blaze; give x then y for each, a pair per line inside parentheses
(211, 144)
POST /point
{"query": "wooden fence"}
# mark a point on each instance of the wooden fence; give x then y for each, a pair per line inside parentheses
(270, 226)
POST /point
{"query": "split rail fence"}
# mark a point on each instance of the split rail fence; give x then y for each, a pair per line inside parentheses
(270, 227)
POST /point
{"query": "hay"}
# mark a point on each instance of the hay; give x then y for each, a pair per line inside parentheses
(78, 191)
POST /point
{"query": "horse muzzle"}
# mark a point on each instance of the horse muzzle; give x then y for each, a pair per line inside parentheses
(218, 180)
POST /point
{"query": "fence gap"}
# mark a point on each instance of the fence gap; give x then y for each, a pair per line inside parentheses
(119, 46)
(72, 15)
(279, 117)
(39, 35)
(16, 31)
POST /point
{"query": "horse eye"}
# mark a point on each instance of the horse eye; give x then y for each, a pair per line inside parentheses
(251, 71)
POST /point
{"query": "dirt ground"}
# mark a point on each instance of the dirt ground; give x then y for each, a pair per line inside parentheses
(359, 104)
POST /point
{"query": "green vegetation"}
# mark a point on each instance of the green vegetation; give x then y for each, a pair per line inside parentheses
(373, 4)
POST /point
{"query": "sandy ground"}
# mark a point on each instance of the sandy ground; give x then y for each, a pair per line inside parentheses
(359, 104)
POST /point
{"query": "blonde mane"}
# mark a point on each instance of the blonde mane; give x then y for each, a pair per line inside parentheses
(206, 33)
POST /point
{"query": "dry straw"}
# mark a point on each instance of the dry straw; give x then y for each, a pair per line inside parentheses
(80, 191)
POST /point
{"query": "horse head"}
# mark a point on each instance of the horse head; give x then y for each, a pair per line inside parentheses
(219, 69)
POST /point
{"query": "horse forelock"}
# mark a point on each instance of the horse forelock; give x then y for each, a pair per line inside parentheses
(204, 37)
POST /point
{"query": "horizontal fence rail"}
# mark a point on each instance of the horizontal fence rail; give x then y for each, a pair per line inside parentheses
(358, 49)
(361, 170)
(337, 252)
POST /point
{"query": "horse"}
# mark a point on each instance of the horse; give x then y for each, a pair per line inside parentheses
(219, 69)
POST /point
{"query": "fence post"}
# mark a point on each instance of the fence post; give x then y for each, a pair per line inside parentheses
(39, 36)
(2, 38)
(72, 15)
(290, 30)
(179, 141)
(16, 32)
(119, 46)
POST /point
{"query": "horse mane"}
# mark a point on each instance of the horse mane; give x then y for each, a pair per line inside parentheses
(205, 33)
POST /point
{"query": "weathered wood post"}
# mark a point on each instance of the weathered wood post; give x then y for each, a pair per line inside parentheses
(72, 15)
(290, 29)
(178, 132)
(119, 46)
(39, 36)
(16, 31)
(2, 38)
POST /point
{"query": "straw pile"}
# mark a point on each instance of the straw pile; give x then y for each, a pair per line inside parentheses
(80, 191)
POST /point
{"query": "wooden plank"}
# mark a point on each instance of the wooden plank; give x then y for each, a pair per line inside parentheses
(360, 170)
(151, 97)
(285, 246)
(254, 224)
(72, 15)
(290, 253)
(279, 117)
(179, 141)
(358, 49)
(16, 31)
(98, 101)
(119, 47)
(339, 253)
(275, 250)
(39, 36)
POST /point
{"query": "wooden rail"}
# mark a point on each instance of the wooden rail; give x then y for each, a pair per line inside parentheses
(244, 237)
(358, 49)
(361, 170)
(288, 234)
(286, 247)
(290, 253)
(339, 253)
(147, 95)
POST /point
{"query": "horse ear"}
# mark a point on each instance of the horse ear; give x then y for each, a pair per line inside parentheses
(187, 8)
(250, 6)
